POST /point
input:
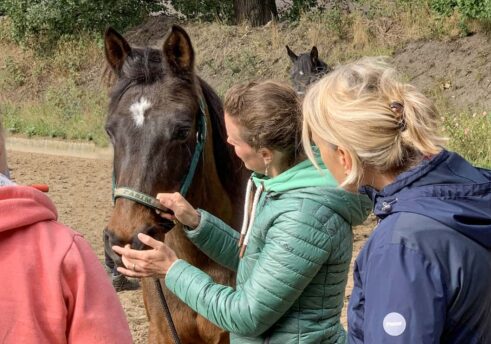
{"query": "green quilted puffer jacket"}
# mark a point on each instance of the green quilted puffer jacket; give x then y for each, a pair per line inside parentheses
(292, 277)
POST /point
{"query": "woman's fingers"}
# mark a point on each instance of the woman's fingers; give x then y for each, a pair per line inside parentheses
(130, 253)
(136, 274)
(184, 212)
(167, 200)
(149, 241)
(165, 215)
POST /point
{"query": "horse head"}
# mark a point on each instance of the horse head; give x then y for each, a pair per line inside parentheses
(306, 69)
(153, 124)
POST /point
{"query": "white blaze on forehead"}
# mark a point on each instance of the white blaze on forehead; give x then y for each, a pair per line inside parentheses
(138, 110)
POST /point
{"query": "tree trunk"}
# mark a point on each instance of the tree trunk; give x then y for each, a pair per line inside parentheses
(256, 12)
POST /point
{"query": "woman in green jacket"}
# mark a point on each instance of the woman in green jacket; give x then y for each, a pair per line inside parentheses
(293, 253)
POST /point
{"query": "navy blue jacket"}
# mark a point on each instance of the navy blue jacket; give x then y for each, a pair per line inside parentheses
(424, 275)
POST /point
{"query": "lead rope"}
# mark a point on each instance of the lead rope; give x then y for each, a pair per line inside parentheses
(168, 315)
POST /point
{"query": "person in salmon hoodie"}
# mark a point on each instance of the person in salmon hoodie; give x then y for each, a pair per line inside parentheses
(53, 289)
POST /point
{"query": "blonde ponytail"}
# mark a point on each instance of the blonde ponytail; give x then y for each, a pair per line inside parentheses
(384, 124)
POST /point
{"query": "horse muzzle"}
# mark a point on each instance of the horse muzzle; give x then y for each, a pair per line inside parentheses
(156, 231)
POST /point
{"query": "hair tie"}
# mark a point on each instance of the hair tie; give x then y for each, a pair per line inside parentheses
(398, 109)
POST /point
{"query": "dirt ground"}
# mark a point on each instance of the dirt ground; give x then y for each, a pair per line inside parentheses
(81, 190)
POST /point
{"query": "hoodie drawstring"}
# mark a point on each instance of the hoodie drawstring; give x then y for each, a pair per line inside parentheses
(245, 220)
(248, 223)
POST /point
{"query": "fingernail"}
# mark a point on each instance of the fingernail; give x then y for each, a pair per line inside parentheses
(157, 211)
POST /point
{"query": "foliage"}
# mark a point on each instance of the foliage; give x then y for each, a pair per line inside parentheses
(206, 10)
(469, 9)
(40, 23)
(299, 7)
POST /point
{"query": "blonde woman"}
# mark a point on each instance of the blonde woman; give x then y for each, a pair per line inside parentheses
(293, 256)
(424, 275)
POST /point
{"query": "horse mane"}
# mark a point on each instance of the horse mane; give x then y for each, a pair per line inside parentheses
(226, 162)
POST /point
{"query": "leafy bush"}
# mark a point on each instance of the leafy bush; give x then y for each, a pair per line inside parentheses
(300, 6)
(470, 9)
(41, 23)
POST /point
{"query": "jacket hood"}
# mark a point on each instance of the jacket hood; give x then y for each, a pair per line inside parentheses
(22, 206)
(300, 176)
(445, 188)
(304, 180)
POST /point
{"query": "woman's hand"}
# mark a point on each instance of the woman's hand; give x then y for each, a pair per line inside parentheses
(183, 211)
(146, 263)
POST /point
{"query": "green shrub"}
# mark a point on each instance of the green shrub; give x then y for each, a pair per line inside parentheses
(299, 7)
(40, 23)
(469, 9)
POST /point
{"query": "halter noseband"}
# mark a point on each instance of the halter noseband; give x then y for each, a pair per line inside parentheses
(152, 202)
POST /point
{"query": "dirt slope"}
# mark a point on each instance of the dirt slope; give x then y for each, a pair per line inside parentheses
(459, 69)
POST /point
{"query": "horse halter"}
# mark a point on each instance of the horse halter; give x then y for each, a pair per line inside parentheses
(152, 202)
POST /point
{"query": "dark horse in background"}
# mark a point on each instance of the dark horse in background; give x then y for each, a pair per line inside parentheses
(306, 69)
(152, 123)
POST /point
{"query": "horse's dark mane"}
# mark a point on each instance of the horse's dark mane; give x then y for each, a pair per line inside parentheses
(228, 165)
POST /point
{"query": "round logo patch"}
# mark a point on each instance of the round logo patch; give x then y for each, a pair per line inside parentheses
(394, 324)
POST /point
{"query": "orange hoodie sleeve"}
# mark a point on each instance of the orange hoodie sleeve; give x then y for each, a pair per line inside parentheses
(94, 313)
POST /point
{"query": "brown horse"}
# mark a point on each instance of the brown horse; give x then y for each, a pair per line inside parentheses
(153, 121)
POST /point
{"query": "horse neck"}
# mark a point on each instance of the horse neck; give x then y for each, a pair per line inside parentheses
(207, 190)
(231, 174)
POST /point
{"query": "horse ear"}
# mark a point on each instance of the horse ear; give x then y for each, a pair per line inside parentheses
(314, 55)
(292, 55)
(179, 50)
(116, 48)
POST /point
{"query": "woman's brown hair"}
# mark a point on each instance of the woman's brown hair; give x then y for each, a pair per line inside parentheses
(270, 113)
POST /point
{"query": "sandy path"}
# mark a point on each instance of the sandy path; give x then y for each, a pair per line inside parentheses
(81, 190)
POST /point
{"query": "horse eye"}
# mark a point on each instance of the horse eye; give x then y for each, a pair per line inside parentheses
(181, 133)
(110, 134)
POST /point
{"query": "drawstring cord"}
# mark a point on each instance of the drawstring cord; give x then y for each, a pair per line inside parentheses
(245, 234)
(245, 221)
